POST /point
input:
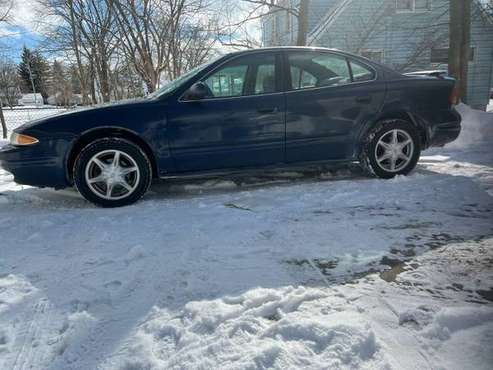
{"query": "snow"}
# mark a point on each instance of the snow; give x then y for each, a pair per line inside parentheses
(313, 269)
(19, 115)
(370, 324)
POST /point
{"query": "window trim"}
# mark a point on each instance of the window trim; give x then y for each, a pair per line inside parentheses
(413, 8)
(404, 11)
(279, 73)
(288, 82)
(419, 11)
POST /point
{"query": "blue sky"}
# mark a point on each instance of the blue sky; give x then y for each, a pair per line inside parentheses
(21, 30)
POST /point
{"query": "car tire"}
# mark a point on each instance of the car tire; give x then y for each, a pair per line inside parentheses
(112, 172)
(390, 149)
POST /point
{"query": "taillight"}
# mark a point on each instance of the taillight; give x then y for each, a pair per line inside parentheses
(454, 96)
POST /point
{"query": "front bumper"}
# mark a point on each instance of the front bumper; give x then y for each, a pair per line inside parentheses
(36, 165)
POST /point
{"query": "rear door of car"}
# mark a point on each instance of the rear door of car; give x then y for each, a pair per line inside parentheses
(241, 123)
(329, 97)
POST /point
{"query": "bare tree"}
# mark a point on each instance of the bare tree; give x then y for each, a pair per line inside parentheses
(85, 34)
(265, 8)
(5, 9)
(157, 35)
(66, 38)
(96, 24)
(9, 83)
(234, 30)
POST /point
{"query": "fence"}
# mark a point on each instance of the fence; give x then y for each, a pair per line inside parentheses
(17, 116)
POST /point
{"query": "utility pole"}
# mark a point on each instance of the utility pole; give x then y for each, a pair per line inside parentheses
(32, 81)
(303, 22)
(460, 45)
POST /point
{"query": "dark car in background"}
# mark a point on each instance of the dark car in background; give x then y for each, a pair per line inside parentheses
(252, 109)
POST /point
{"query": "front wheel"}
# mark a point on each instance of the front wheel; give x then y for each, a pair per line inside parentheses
(392, 148)
(112, 172)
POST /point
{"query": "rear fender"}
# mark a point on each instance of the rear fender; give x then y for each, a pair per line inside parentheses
(391, 114)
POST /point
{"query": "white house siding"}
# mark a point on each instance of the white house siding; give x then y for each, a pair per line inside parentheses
(275, 25)
(399, 35)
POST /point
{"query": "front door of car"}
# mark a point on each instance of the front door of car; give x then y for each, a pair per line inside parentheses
(328, 100)
(239, 123)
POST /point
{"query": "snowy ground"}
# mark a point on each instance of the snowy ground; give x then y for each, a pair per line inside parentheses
(321, 269)
(18, 115)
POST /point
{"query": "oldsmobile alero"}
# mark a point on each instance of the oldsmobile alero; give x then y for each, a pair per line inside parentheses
(251, 109)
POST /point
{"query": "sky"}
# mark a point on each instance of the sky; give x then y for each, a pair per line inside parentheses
(22, 29)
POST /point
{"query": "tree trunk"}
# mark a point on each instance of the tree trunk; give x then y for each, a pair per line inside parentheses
(76, 49)
(2, 120)
(103, 71)
(460, 45)
(92, 80)
(303, 23)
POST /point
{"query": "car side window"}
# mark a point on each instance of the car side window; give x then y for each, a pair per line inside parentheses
(228, 81)
(301, 79)
(265, 81)
(361, 73)
(318, 70)
(249, 75)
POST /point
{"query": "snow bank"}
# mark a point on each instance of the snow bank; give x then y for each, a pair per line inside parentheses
(370, 324)
(264, 328)
(477, 127)
(453, 319)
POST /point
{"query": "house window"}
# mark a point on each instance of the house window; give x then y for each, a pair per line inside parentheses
(440, 55)
(422, 5)
(406, 6)
(375, 55)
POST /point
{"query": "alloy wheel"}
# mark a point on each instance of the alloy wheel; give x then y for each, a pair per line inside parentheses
(112, 175)
(394, 150)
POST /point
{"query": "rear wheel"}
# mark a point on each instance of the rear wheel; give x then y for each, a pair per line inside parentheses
(112, 172)
(392, 148)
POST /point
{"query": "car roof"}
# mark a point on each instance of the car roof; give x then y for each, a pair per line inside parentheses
(305, 48)
(278, 48)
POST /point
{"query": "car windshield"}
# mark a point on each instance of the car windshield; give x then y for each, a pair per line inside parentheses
(172, 85)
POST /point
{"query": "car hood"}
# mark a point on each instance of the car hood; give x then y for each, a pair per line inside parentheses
(102, 110)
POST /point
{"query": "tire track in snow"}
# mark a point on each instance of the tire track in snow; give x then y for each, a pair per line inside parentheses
(32, 352)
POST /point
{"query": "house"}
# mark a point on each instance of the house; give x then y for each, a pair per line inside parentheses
(31, 100)
(407, 35)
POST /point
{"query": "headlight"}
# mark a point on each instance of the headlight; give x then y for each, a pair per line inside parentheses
(22, 140)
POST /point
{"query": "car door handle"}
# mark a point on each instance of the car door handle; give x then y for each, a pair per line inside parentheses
(364, 99)
(265, 110)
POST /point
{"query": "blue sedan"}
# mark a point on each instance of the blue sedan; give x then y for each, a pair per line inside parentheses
(251, 109)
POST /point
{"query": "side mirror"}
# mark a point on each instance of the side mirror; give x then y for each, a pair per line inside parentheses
(198, 91)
